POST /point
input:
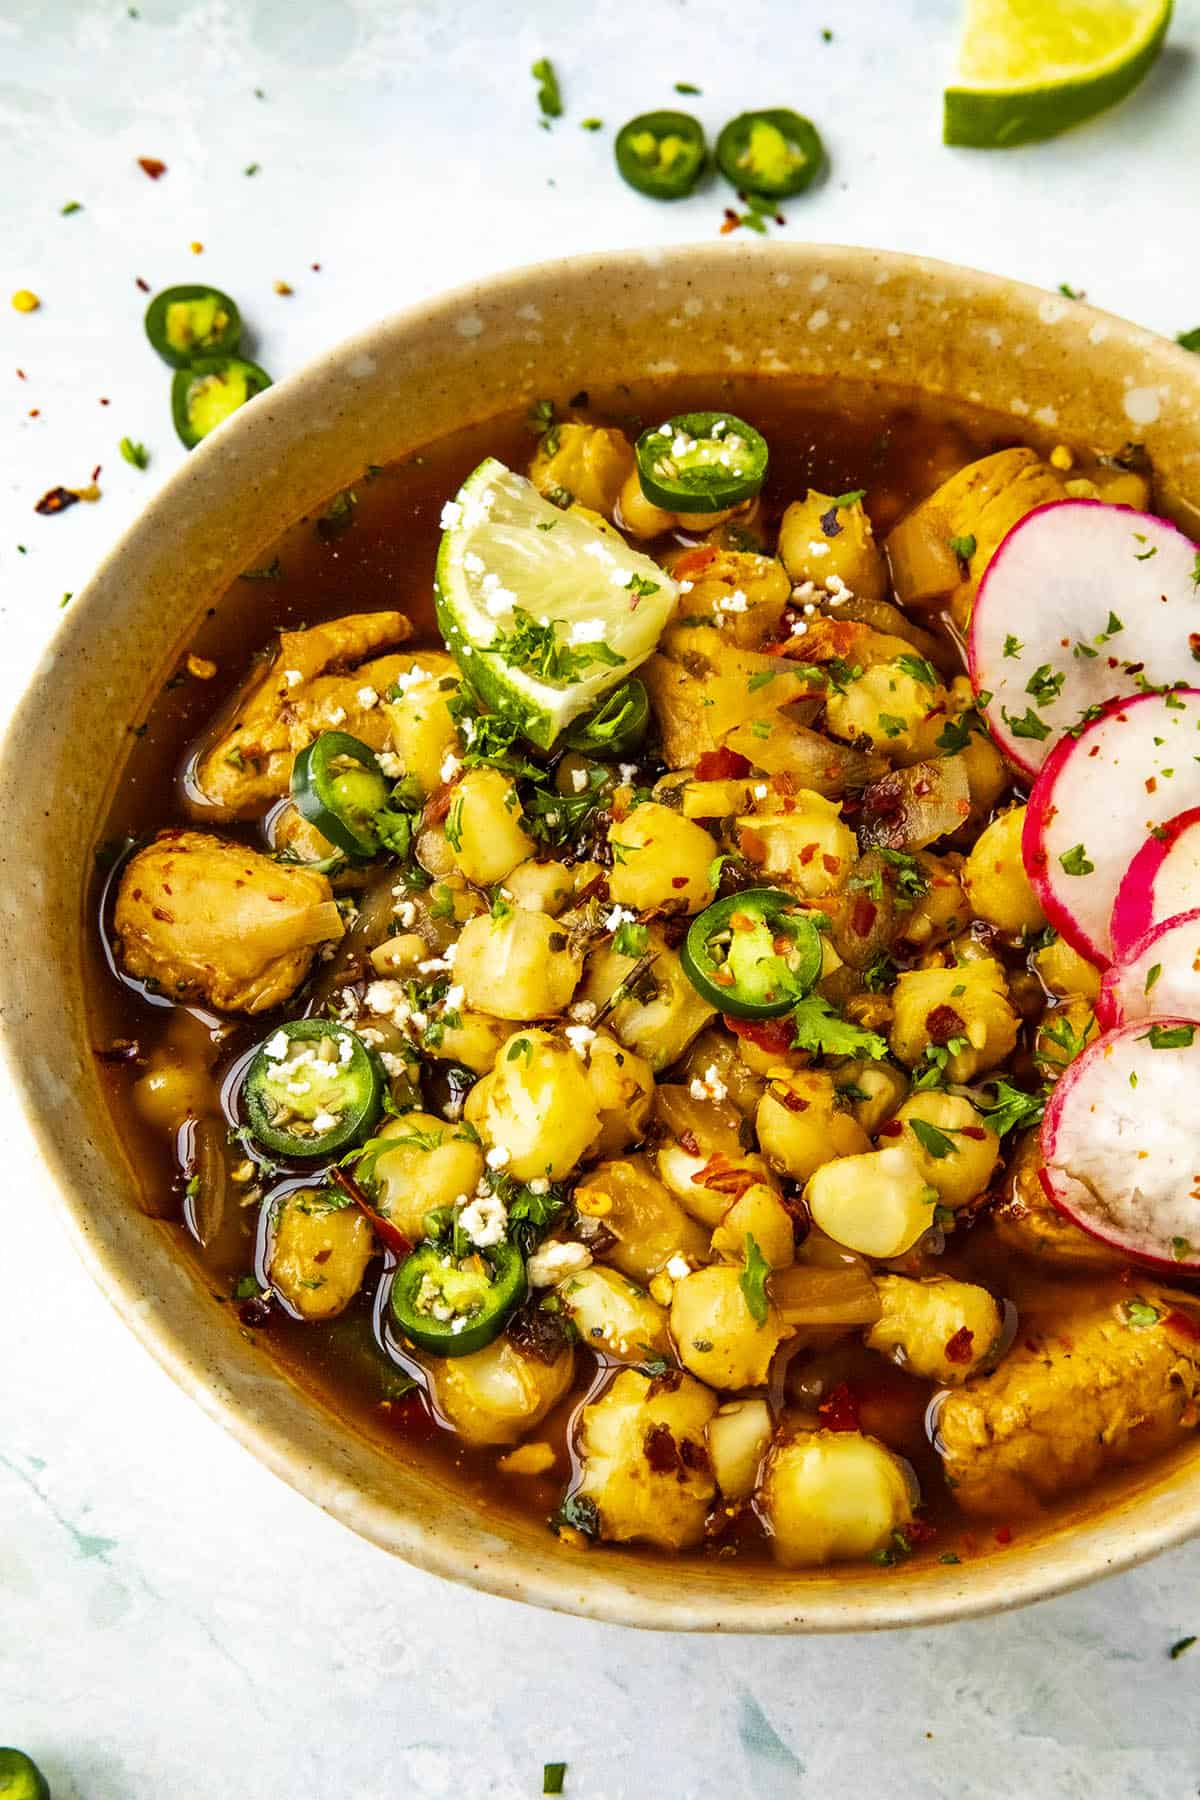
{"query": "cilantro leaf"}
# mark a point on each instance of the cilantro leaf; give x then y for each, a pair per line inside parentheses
(935, 1142)
(1013, 1109)
(753, 1282)
(820, 1028)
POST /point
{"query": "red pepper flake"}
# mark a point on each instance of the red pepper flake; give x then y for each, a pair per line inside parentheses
(942, 1024)
(920, 1531)
(21, 375)
(153, 167)
(1151, 783)
(662, 1452)
(56, 500)
(976, 1132)
(839, 1410)
(679, 881)
(893, 1128)
(35, 412)
(103, 400)
(315, 267)
(772, 1035)
(144, 285)
(1004, 1534)
(730, 222)
(863, 916)
(721, 765)
(388, 1234)
(960, 1347)
(96, 472)
(690, 1142)
(721, 1176)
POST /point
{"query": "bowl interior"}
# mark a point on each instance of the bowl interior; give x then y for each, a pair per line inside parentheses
(819, 314)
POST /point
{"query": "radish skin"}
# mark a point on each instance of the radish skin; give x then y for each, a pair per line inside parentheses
(1121, 1151)
(1161, 974)
(1080, 597)
(1161, 882)
(1097, 798)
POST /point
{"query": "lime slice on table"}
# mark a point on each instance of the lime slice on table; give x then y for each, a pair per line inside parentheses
(1031, 68)
(543, 610)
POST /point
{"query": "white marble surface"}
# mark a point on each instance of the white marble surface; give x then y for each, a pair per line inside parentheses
(177, 1625)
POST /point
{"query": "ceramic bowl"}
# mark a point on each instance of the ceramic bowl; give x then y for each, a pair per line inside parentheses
(829, 315)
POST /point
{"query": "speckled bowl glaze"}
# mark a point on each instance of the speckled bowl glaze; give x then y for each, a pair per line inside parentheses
(826, 314)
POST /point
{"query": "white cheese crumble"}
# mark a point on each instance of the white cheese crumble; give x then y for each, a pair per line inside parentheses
(498, 1157)
(579, 780)
(678, 1268)
(451, 515)
(580, 1038)
(337, 715)
(277, 1047)
(450, 766)
(391, 764)
(555, 1261)
(293, 677)
(582, 1011)
(485, 1220)
(433, 965)
(710, 1087)
(455, 997)
(367, 697)
(539, 1185)
(409, 678)
(406, 913)
(620, 915)
(817, 549)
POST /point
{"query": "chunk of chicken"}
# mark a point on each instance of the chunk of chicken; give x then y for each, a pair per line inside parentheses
(213, 921)
(1025, 1221)
(317, 681)
(1113, 1379)
(939, 551)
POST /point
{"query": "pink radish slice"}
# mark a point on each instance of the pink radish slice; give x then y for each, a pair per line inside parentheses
(1120, 1144)
(1095, 801)
(1079, 597)
(1162, 881)
(1160, 975)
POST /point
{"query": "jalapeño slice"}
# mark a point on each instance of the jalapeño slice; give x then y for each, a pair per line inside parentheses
(452, 1305)
(774, 153)
(618, 725)
(205, 393)
(312, 1089)
(701, 462)
(338, 786)
(754, 954)
(20, 1777)
(183, 323)
(662, 154)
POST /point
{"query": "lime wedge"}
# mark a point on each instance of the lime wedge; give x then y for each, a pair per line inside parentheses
(1029, 69)
(543, 610)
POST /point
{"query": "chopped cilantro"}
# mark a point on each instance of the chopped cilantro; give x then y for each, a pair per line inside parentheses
(931, 1139)
(137, 454)
(963, 547)
(538, 650)
(819, 1027)
(1027, 726)
(850, 499)
(1013, 645)
(1140, 1315)
(580, 1514)
(919, 669)
(631, 939)
(591, 124)
(753, 1281)
(549, 93)
(1190, 340)
(72, 206)
(1045, 684)
(687, 87)
(1152, 977)
(1076, 861)
(641, 588)
(1170, 1037)
(552, 1777)
(1185, 1643)
(1013, 1109)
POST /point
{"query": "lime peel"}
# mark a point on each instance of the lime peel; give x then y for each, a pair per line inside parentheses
(1029, 69)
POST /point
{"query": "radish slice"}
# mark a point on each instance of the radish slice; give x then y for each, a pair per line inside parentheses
(1162, 881)
(1080, 597)
(1161, 975)
(1097, 797)
(1121, 1148)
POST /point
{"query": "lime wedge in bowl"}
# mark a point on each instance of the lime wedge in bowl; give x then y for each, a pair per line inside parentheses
(543, 610)
(1029, 69)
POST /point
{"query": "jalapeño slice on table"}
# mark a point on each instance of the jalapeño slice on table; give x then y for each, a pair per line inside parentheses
(662, 154)
(754, 954)
(774, 153)
(184, 323)
(20, 1777)
(338, 786)
(701, 462)
(618, 725)
(451, 1305)
(205, 393)
(312, 1089)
